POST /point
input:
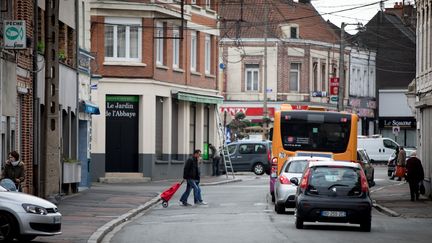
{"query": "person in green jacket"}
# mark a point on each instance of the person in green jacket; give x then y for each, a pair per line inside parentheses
(14, 169)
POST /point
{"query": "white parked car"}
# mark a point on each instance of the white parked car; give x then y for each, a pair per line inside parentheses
(24, 217)
(284, 190)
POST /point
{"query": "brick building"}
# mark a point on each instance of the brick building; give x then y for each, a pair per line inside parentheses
(16, 97)
(158, 92)
(302, 54)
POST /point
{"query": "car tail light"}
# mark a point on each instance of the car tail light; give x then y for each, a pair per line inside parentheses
(284, 180)
(268, 155)
(274, 163)
(305, 179)
(364, 183)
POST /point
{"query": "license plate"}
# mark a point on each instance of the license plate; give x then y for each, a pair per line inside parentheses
(333, 213)
(57, 220)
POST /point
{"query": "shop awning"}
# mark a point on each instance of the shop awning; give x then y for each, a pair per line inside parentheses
(89, 107)
(206, 99)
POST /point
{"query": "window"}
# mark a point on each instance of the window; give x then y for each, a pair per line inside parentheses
(122, 39)
(159, 43)
(208, 3)
(207, 54)
(294, 77)
(174, 129)
(193, 1)
(252, 77)
(315, 76)
(323, 77)
(159, 118)
(176, 48)
(192, 128)
(294, 32)
(193, 51)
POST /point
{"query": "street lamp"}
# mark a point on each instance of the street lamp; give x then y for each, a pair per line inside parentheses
(341, 91)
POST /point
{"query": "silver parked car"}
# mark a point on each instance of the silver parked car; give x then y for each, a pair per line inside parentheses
(284, 190)
(24, 217)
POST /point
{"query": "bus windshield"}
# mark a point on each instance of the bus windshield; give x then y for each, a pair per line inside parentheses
(310, 131)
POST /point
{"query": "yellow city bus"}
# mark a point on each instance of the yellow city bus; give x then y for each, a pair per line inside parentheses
(308, 130)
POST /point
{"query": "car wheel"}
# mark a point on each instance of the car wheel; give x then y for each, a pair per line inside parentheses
(280, 209)
(298, 223)
(258, 168)
(7, 226)
(366, 226)
(26, 238)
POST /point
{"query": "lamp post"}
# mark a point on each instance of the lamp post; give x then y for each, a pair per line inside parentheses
(341, 91)
(265, 108)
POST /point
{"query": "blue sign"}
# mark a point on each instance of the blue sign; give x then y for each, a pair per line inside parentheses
(222, 66)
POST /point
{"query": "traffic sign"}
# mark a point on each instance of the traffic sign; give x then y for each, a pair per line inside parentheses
(396, 130)
(334, 86)
(334, 98)
(14, 34)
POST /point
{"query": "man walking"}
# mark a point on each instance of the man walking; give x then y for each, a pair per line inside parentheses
(215, 159)
(415, 175)
(401, 160)
(191, 175)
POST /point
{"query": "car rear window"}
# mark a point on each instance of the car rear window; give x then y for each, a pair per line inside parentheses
(296, 166)
(335, 181)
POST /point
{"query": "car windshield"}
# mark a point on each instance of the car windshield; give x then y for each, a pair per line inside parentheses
(296, 166)
(335, 181)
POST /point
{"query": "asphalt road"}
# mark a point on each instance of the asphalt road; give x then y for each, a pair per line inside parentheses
(243, 212)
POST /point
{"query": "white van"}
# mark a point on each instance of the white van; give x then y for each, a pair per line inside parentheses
(379, 149)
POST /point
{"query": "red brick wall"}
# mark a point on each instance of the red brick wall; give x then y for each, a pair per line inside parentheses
(165, 73)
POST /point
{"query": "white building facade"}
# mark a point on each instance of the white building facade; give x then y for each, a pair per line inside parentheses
(423, 88)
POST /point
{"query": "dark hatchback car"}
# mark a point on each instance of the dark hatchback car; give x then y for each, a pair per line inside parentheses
(333, 191)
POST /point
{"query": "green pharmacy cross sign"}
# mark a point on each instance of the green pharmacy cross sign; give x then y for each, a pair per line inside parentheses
(14, 34)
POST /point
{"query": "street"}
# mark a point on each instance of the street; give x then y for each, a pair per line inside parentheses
(243, 212)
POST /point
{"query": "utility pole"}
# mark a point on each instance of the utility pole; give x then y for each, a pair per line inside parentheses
(50, 183)
(265, 109)
(341, 91)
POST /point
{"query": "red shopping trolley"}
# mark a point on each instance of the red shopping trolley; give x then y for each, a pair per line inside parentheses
(167, 195)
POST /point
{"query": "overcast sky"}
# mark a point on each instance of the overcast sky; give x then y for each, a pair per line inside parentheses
(359, 14)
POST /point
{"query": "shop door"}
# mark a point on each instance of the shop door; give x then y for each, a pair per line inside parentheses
(121, 133)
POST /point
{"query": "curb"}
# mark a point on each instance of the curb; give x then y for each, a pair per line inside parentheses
(102, 231)
(220, 182)
(385, 210)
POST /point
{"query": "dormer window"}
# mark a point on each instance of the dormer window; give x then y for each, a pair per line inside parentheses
(294, 32)
(290, 31)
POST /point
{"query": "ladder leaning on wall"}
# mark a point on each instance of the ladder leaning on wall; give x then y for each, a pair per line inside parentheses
(223, 146)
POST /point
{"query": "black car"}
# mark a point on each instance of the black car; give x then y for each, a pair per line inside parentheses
(333, 191)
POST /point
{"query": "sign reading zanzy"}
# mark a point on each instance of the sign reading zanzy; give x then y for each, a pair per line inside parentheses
(14, 34)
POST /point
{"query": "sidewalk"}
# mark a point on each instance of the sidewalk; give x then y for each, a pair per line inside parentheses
(85, 213)
(394, 200)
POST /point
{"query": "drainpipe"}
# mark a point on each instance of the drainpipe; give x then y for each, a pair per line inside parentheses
(36, 121)
(77, 78)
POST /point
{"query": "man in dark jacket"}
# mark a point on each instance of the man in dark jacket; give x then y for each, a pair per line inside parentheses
(415, 175)
(191, 175)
